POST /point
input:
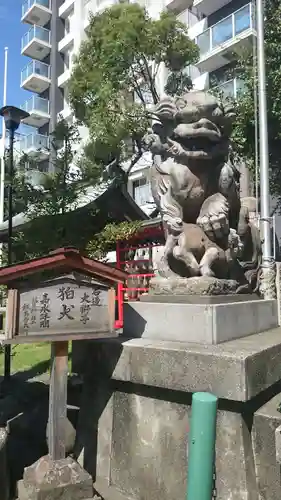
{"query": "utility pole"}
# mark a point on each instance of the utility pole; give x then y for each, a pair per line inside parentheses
(3, 149)
(268, 286)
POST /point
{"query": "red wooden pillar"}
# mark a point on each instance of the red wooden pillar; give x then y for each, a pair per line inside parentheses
(120, 292)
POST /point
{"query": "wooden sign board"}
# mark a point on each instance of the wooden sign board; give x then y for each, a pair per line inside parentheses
(69, 307)
(78, 304)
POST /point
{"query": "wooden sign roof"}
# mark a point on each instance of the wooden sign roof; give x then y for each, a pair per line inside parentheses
(62, 260)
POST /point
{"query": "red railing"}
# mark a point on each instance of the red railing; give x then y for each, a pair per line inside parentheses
(146, 240)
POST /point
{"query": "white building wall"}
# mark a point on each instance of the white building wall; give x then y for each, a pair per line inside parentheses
(79, 12)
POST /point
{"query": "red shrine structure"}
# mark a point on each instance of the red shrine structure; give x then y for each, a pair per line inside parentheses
(139, 268)
(113, 204)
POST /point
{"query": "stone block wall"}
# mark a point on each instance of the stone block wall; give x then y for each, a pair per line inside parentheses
(134, 420)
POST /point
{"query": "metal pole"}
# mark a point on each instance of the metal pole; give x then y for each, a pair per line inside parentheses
(10, 194)
(201, 446)
(7, 365)
(268, 271)
(256, 127)
(3, 147)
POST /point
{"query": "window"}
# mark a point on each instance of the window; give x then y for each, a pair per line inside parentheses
(227, 80)
(66, 60)
(190, 16)
(66, 26)
(197, 14)
(222, 75)
(142, 191)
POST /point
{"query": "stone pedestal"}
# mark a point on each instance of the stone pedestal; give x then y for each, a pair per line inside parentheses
(278, 290)
(50, 480)
(196, 321)
(134, 419)
(4, 476)
(266, 421)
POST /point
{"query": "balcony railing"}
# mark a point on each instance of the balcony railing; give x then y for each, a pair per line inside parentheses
(37, 32)
(35, 67)
(226, 29)
(35, 142)
(230, 88)
(36, 103)
(29, 3)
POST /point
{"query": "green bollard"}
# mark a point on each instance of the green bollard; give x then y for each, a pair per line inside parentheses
(201, 446)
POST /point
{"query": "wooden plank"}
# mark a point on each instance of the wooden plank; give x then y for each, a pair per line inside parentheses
(12, 313)
(58, 400)
(111, 308)
(31, 339)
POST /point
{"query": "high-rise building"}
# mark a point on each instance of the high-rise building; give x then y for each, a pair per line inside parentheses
(36, 44)
(55, 29)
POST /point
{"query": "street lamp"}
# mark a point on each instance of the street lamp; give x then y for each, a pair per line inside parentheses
(13, 117)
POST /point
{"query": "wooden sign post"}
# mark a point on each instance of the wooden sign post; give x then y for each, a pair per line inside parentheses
(58, 399)
(75, 300)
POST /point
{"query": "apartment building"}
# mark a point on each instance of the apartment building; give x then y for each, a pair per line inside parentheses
(36, 78)
(55, 29)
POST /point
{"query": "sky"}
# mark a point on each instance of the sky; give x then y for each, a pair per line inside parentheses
(11, 31)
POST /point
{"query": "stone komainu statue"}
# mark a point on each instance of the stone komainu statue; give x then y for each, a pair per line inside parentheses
(196, 189)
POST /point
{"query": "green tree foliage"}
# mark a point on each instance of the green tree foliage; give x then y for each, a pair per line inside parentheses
(244, 139)
(105, 241)
(117, 69)
(52, 209)
(49, 208)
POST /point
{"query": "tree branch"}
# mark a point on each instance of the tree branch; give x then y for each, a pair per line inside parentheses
(138, 90)
(155, 72)
(154, 92)
(142, 70)
(146, 74)
(136, 158)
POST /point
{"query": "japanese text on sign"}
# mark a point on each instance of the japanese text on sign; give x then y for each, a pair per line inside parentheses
(61, 307)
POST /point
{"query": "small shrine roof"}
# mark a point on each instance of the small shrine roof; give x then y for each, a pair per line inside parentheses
(112, 200)
(62, 260)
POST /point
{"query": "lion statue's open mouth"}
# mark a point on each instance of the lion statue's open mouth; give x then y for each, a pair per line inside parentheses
(199, 148)
(194, 131)
(195, 141)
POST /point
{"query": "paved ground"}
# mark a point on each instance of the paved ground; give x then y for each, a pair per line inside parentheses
(24, 408)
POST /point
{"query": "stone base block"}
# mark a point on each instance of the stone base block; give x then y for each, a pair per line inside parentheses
(278, 289)
(278, 442)
(199, 285)
(198, 299)
(134, 418)
(266, 421)
(4, 476)
(238, 370)
(51, 480)
(200, 323)
(23, 493)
